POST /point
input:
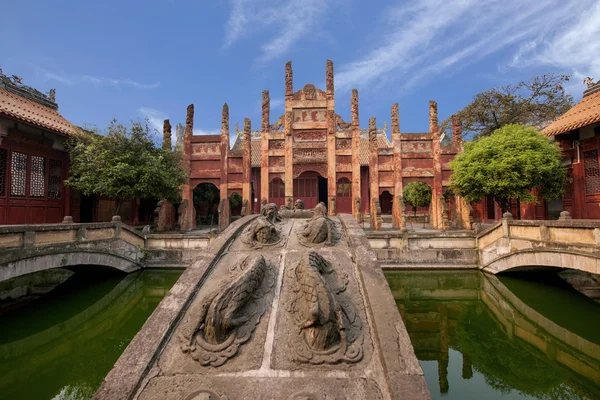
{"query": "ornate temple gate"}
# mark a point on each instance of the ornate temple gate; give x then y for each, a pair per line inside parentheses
(310, 153)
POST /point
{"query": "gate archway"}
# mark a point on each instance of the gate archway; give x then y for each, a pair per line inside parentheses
(277, 192)
(206, 203)
(385, 200)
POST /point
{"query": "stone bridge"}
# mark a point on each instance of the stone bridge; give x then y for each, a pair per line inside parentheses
(25, 249)
(512, 245)
(274, 309)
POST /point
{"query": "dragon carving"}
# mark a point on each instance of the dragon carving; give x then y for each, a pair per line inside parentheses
(224, 320)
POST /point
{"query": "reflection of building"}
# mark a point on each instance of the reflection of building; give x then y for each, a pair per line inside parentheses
(578, 132)
(311, 153)
(33, 160)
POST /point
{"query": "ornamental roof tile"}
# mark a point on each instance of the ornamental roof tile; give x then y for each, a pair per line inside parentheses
(27, 110)
(584, 113)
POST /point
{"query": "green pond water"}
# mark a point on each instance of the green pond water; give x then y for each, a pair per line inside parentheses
(522, 336)
(63, 343)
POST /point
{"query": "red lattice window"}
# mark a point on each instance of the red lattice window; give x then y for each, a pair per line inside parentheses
(344, 187)
(18, 174)
(37, 178)
(592, 172)
(3, 162)
(55, 180)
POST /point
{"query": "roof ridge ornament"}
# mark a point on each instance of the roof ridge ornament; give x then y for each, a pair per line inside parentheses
(589, 82)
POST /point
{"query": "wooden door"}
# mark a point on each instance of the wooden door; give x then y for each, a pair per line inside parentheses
(344, 196)
(306, 188)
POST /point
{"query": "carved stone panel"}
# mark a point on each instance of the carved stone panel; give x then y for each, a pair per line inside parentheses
(309, 117)
(310, 135)
(304, 156)
(276, 144)
(343, 144)
(416, 146)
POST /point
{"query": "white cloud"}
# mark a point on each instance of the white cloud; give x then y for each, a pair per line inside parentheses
(95, 80)
(430, 37)
(276, 104)
(156, 119)
(290, 20)
(206, 132)
(573, 46)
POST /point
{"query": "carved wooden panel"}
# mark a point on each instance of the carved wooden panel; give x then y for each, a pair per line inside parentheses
(303, 156)
(37, 177)
(416, 146)
(55, 179)
(3, 164)
(343, 144)
(276, 144)
(18, 174)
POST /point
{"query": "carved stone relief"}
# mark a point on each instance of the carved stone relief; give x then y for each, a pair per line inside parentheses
(205, 395)
(225, 319)
(329, 329)
(320, 229)
(262, 231)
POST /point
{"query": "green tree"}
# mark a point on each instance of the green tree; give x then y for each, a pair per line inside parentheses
(417, 194)
(124, 163)
(535, 102)
(507, 165)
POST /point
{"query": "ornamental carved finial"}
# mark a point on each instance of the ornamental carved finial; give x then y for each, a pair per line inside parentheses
(289, 84)
(589, 82)
(433, 117)
(395, 120)
(189, 121)
(225, 120)
(354, 107)
(266, 111)
(329, 77)
(166, 145)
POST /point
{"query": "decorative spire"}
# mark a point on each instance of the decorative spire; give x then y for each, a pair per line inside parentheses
(354, 108)
(395, 120)
(433, 117)
(166, 144)
(225, 120)
(247, 128)
(266, 111)
(456, 130)
(329, 77)
(289, 85)
(373, 131)
(189, 121)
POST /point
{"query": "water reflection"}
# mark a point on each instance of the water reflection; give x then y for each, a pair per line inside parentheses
(482, 336)
(61, 345)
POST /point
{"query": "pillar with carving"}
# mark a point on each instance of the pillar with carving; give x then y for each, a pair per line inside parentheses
(187, 212)
(331, 128)
(288, 143)
(264, 146)
(224, 205)
(355, 131)
(398, 208)
(247, 166)
(374, 174)
(462, 215)
(436, 209)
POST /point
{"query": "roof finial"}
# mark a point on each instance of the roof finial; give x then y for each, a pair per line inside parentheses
(589, 82)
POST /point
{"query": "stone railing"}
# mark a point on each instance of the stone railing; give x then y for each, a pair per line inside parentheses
(540, 243)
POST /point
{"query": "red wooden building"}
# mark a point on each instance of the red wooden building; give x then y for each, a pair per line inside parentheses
(33, 160)
(578, 132)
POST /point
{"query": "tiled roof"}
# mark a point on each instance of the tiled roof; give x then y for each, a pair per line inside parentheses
(256, 150)
(584, 113)
(28, 110)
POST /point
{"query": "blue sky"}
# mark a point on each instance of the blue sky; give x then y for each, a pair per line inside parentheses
(133, 59)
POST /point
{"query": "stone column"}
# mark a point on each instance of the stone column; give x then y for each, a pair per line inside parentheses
(436, 149)
(264, 146)
(398, 209)
(331, 128)
(374, 174)
(463, 213)
(355, 130)
(288, 144)
(224, 206)
(247, 165)
(187, 213)
(166, 144)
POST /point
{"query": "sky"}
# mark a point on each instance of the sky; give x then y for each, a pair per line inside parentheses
(149, 59)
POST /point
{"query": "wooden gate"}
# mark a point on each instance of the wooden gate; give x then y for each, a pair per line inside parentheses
(344, 196)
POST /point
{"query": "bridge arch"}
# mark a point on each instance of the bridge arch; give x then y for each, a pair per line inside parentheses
(537, 258)
(43, 262)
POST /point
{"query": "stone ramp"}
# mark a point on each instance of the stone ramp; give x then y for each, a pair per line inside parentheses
(283, 317)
